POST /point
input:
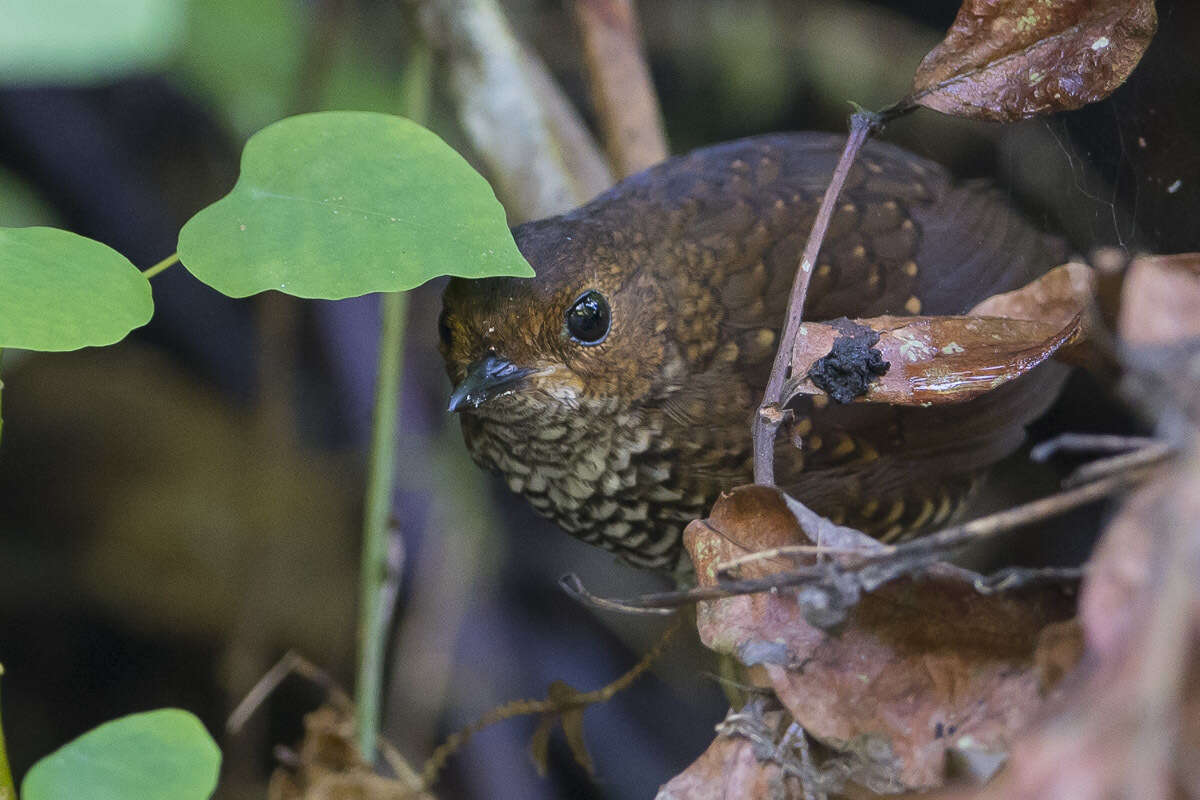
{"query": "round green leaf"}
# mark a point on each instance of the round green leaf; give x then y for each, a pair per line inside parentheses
(158, 755)
(85, 41)
(61, 291)
(340, 203)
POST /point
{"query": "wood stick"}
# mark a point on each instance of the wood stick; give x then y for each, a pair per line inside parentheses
(622, 93)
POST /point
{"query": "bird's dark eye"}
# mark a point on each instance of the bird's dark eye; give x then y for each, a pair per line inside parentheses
(588, 318)
(444, 329)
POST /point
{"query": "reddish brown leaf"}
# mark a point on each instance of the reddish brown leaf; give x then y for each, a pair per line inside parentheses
(1063, 293)
(1056, 298)
(1127, 722)
(1006, 60)
(920, 666)
(329, 767)
(931, 360)
(1160, 303)
(730, 769)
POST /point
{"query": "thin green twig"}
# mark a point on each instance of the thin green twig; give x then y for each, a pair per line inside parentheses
(372, 633)
(170, 260)
(380, 479)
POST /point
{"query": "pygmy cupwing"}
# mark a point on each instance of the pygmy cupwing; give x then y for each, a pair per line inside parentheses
(615, 390)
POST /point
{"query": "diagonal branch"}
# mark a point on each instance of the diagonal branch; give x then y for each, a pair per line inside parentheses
(870, 569)
(770, 415)
(622, 92)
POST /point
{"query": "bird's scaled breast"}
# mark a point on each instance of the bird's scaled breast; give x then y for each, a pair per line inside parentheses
(606, 475)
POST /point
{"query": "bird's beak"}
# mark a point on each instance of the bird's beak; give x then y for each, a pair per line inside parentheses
(486, 378)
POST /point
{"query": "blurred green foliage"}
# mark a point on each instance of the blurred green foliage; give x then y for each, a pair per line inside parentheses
(251, 61)
(243, 58)
(20, 205)
(85, 41)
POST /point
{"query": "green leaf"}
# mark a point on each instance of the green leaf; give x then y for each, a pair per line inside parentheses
(61, 291)
(341, 203)
(158, 755)
(85, 41)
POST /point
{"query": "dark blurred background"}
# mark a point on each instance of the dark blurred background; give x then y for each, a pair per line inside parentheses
(179, 510)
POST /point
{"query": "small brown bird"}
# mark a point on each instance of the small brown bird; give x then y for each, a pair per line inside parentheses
(615, 390)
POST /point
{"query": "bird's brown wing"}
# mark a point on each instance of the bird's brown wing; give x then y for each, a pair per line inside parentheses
(904, 240)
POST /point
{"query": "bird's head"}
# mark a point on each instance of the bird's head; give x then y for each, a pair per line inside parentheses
(585, 334)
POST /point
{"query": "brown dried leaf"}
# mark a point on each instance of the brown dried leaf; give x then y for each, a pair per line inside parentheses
(1160, 302)
(931, 360)
(1127, 723)
(920, 666)
(1006, 60)
(330, 768)
(731, 769)
(1056, 298)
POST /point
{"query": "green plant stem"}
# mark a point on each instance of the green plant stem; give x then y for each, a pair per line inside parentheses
(380, 480)
(381, 470)
(170, 260)
(8, 791)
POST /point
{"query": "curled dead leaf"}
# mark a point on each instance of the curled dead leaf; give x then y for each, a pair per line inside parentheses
(930, 360)
(1056, 298)
(1063, 293)
(921, 666)
(934, 360)
(1006, 60)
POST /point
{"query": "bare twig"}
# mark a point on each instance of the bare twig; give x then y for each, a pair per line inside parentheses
(1145, 456)
(790, 551)
(622, 92)
(769, 416)
(1088, 443)
(292, 663)
(400, 766)
(573, 586)
(796, 733)
(520, 708)
(1006, 580)
(581, 156)
(501, 107)
(870, 569)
